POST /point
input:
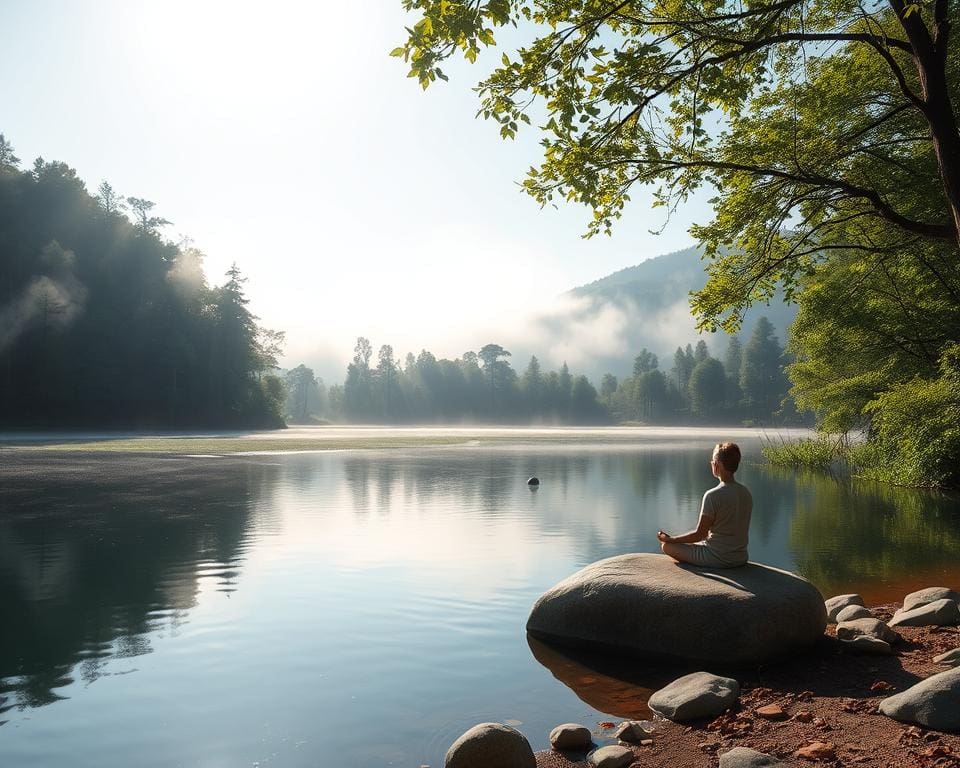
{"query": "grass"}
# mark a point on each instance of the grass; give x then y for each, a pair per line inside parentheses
(820, 452)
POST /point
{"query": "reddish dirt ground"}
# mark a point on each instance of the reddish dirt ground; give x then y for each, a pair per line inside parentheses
(828, 696)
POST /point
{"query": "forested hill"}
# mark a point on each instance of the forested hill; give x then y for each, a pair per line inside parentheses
(105, 323)
(654, 295)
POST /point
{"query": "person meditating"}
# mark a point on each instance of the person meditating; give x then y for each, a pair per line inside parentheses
(724, 519)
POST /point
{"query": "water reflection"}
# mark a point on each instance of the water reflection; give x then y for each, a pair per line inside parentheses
(93, 563)
(307, 595)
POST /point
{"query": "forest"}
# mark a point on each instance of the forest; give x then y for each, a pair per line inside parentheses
(827, 141)
(748, 386)
(105, 323)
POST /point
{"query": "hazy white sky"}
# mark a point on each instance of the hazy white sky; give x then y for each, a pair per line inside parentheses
(282, 136)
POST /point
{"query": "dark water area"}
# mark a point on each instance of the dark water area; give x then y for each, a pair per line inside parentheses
(363, 608)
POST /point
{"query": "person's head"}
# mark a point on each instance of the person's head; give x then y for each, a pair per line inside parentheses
(727, 456)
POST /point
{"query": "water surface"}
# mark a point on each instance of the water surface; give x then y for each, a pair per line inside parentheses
(363, 608)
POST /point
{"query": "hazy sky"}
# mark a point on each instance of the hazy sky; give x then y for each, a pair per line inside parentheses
(282, 136)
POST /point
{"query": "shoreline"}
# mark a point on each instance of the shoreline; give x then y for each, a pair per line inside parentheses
(829, 695)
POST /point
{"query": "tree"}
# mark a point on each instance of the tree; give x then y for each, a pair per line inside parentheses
(645, 361)
(111, 203)
(608, 385)
(386, 373)
(532, 384)
(701, 353)
(707, 388)
(732, 362)
(145, 222)
(490, 354)
(824, 114)
(762, 379)
(300, 383)
(8, 160)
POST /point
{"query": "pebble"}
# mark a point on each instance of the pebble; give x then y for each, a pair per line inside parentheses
(817, 750)
(632, 732)
(570, 736)
(771, 712)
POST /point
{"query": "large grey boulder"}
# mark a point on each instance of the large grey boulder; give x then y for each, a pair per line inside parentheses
(837, 603)
(932, 703)
(490, 745)
(744, 757)
(657, 607)
(851, 630)
(693, 696)
(937, 613)
(928, 595)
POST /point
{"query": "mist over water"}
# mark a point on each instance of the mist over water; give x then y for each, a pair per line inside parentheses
(364, 608)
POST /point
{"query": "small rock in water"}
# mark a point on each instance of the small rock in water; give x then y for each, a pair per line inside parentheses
(533, 480)
(491, 744)
(570, 736)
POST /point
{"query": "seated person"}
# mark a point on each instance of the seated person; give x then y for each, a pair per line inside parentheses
(724, 519)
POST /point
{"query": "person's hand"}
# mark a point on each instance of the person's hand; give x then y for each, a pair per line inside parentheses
(664, 537)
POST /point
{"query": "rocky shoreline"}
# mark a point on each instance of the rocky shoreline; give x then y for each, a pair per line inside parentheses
(818, 708)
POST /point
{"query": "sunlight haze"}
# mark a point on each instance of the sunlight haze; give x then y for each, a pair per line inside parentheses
(284, 138)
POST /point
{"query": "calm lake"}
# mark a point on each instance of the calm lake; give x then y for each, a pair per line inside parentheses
(364, 608)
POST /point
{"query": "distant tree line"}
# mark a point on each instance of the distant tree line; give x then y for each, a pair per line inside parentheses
(749, 385)
(104, 322)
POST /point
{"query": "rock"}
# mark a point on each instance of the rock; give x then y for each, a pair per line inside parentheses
(693, 696)
(950, 657)
(852, 612)
(611, 757)
(939, 613)
(933, 703)
(867, 644)
(657, 607)
(836, 604)
(533, 481)
(490, 745)
(869, 627)
(743, 757)
(771, 712)
(928, 595)
(817, 750)
(571, 736)
(632, 732)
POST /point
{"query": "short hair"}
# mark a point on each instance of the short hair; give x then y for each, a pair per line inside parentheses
(728, 454)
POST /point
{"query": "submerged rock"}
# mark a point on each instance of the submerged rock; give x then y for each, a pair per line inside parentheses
(657, 607)
(938, 613)
(694, 696)
(933, 703)
(490, 745)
